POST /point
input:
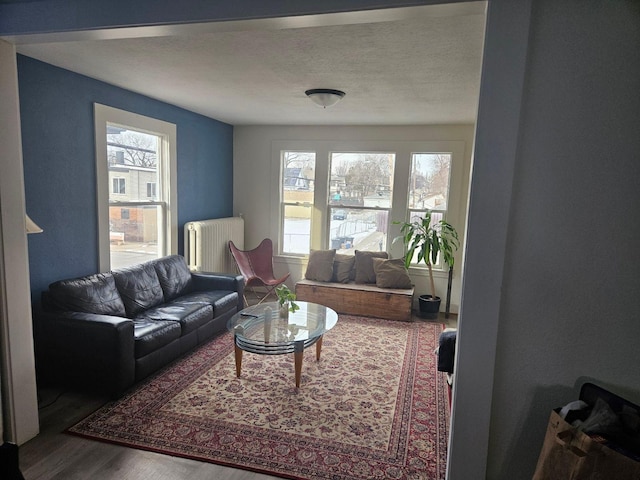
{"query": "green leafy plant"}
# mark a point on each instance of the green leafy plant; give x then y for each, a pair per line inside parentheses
(428, 240)
(286, 296)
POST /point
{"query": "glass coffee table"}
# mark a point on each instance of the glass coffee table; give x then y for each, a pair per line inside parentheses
(259, 329)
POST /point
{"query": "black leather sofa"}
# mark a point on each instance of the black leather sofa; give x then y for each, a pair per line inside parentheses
(110, 330)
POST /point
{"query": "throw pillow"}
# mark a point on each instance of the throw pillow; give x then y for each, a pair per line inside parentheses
(364, 266)
(320, 266)
(342, 268)
(391, 273)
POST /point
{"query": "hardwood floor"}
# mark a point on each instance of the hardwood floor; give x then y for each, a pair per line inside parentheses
(54, 454)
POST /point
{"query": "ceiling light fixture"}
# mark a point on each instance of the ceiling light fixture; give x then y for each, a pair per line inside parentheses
(325, 97)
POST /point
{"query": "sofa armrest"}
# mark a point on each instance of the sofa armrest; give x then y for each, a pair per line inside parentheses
(85, 349)
(220, 281)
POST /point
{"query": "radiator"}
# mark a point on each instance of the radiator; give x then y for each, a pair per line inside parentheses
(206, 244)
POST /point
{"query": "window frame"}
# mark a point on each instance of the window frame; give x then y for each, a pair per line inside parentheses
(283, 204)
(330, 207)
(456, 207)
(167, 147)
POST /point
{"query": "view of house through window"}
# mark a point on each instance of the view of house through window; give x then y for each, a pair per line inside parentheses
(298, 180)
(136, 211)
(360, 193)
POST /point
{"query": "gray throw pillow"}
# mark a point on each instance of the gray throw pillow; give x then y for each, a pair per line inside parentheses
(391, 273)
(364, 265)
(343, 268)
(320, 266)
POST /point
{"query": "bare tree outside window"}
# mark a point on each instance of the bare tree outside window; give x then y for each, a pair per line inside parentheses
(360, 200)
(429, 182)
(128, 147)
(429, 188)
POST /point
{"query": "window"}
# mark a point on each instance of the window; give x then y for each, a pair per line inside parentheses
(360, 200)
(296, 194)
(347, 194)
(118, 186)
(135, 155)
(429, 186)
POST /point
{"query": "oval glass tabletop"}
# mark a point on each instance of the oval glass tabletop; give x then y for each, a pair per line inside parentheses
(262, 324)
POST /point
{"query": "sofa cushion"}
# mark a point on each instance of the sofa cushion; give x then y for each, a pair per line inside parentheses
(139, 288)
(174, 276)
(343, 268)
(364, 266)
(320, 266)
(222, 301)
(190, 316)
(391, 273)
(149, 336)
(92, 294)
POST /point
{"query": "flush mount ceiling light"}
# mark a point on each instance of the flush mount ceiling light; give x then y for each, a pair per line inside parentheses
(324, 97)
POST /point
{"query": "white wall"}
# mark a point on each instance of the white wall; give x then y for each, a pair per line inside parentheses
(566, 300)
(17, 367)
(256, 176)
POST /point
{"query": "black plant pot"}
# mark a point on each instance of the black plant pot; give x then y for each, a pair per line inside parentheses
(429, 306)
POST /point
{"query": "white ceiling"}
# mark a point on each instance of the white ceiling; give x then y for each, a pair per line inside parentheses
(418, 65)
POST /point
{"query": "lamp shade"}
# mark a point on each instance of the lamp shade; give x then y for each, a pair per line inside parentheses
(31, 226)
(324, 97)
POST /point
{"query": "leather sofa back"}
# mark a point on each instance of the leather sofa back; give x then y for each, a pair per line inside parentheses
(139, 287)
(92, 294)
(125, 292)
(174, 275)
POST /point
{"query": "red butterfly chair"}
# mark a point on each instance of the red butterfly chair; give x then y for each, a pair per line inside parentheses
(256, 266)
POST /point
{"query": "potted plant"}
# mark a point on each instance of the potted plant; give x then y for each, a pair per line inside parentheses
(428, 240)
(286, 300)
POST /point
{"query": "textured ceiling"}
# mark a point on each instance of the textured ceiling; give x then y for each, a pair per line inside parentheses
(414, 68)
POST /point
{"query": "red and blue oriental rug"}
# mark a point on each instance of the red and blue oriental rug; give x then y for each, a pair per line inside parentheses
(373, 407)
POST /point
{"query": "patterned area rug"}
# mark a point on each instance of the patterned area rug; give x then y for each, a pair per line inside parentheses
(374, 406)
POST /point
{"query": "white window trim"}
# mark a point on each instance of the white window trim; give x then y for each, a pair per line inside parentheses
(403, 149)
(168, 132)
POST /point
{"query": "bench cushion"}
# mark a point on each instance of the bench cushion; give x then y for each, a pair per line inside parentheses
(364, 266)
(320, 266)
(391, 273)
(343, 268)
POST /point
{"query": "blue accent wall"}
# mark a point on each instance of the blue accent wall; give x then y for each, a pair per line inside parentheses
(56, 108)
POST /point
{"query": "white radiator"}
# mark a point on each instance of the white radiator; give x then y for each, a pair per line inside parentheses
(206, 244)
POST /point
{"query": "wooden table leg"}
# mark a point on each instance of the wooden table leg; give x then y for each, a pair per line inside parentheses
(297, 360)
(318, 348)
(238, 352)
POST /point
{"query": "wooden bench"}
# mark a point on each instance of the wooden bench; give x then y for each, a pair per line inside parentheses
(358, 299)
